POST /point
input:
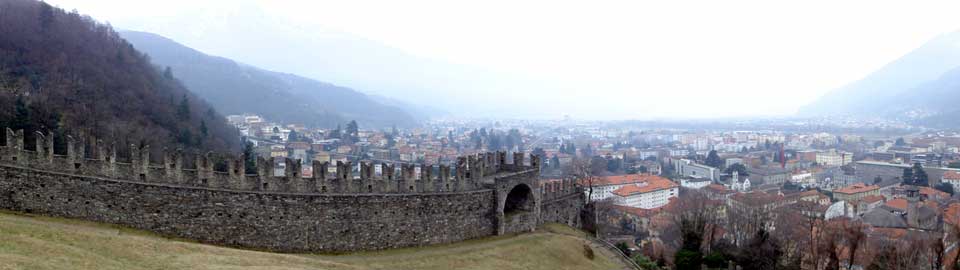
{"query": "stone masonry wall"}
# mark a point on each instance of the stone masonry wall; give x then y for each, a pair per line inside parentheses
(563, 210)
(272, 221)
(404, 206)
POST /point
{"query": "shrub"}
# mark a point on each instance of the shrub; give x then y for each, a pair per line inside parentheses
(588, 252)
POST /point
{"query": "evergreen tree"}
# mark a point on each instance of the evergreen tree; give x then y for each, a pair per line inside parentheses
(21, 116)
(203, 128)
(737, 167)
(900, 142)
(250, 158)
(46, 15)
(920, 176)
(713, 160)
(185, 137)
(353, 131)
(293, 136)
(183, 110)
(168, 73)
(907, 176)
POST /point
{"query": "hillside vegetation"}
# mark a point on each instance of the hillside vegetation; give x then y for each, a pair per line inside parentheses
(30, 242)
(65, 73)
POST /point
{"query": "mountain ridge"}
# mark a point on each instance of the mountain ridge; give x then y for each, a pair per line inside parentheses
(883, 88)
(236, 87)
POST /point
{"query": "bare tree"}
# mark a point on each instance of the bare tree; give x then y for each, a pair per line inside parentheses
(853, 236)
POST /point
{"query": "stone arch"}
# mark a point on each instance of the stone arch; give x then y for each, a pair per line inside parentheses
(518, 206)
(519, 199)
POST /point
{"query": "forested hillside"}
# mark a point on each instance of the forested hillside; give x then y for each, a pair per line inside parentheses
(65, 73)
(236, 88)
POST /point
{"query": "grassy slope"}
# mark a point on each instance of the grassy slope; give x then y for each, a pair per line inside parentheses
(32, 242)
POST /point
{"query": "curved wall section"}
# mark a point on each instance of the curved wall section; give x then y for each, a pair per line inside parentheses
(402, 206)
(273, 221)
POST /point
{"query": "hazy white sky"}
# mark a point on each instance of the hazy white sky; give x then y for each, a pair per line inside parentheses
(684, 58)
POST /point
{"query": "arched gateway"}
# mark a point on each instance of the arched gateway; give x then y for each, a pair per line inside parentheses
(518, 203)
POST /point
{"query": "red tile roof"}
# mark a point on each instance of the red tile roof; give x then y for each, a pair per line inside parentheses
(952, 175)
(856, 188)
(636, 211)
(652, 184)
(625, 179)
(933, 193)
(898, 203)
(872, 199)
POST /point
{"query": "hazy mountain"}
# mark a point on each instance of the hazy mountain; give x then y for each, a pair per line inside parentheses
(238, 88)
(344, 59)
(933, 103)
(64, 73)
(881, 93)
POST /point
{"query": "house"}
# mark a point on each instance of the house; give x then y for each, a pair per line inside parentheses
(718, 192)
(278, 151)
(855, 192)
(952, 178)
(322, 156)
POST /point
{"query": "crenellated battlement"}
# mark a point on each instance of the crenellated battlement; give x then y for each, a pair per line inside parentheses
(341, 207)
(551, 190)
(471, 172)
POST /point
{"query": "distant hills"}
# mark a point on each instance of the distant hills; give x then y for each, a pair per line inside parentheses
(425, 87)
(235, 88)
(66, 74)
(923, 87)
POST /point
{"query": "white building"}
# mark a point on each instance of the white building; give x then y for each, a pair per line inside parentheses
(803, 177)
(647, 195)
(688, 168)
(741, 186)
(695, 183)
(834, 158)
(603, 187)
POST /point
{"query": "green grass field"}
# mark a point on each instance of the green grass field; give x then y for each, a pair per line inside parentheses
(34, 242)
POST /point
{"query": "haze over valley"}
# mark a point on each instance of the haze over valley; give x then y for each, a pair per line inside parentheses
(425, 134)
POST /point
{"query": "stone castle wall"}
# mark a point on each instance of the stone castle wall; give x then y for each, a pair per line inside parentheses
(412, 206)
